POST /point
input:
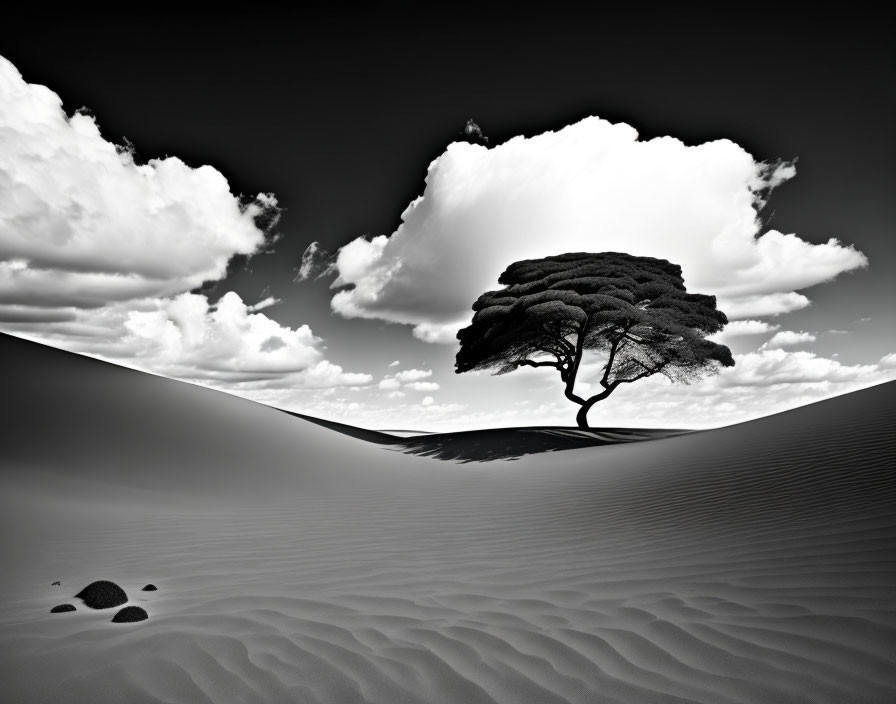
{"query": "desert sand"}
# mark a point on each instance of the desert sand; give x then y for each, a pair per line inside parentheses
(297, 563)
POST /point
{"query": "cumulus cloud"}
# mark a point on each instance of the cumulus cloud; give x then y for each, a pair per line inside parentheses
(98, 254)
(763, 305)
(187, 337)
(394, 364)
(427, 401)
(741, 328)
(749, 327)
(413, 375)
(445, 333)
(592, 186)
(768, 367)
(187, 331)
(408, 379)
(888, 361)
(789, 338)
(422, 386)
(325, 375)
(82, 224)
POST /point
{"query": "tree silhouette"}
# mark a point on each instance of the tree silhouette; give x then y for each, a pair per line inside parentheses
(633, 310)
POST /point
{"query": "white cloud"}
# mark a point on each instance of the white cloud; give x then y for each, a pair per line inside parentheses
(188, 338)
(422, 386)
(266, 303)
(776, 366)
(389, 384)
(409, 379)
(325, 374)
(413, 375)
(591, 186)
(783, 173)
(888, 361)
(97, 254)
(316, 262)
(307, 265)
(789, 338)
(394, 364)
(427, 401)
(763, 305)
(740, 328)
(82, 224)
(749, 327)
(445, 333)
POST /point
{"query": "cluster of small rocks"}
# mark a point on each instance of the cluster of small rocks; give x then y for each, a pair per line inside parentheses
(104, 594)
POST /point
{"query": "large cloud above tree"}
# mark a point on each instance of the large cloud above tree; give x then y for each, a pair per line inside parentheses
(592, 186)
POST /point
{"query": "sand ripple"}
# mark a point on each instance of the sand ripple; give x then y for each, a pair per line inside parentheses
(751, 564)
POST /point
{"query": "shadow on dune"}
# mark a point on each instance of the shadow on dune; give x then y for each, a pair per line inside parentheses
(497, 443)
(512, 443)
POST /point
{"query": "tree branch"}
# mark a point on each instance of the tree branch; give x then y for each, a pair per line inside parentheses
(567, 345)
(530, 363)
(648, 371)
(610, 359)
(576, 360)
(611, 387)
(559, 337)
(567, 375)
(597, 397)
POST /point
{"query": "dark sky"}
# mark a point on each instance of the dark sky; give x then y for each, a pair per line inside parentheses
(339, 113)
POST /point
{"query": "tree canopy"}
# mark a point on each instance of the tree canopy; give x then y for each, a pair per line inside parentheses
(633, 310)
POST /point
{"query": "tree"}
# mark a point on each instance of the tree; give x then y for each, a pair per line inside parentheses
(635, 311)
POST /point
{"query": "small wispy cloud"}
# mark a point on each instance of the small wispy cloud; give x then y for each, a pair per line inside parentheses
(316, 263)
(789, 338)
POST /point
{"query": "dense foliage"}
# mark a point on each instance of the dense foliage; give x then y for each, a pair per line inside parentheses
(633, 310)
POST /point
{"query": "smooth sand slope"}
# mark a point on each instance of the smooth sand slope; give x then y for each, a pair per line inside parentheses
(755, 563)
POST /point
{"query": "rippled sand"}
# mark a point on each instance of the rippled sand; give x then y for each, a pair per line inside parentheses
(749, 564)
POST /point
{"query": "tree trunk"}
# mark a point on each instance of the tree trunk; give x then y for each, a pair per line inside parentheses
(582, 416)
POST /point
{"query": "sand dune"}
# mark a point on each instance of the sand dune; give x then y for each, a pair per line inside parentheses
(753, 563)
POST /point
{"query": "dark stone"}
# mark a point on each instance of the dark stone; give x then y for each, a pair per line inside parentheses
(62, 608)
(130, 614)
(102, 595)
(150, 588)
(56, 584)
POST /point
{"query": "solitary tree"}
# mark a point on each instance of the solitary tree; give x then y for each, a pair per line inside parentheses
(634, 311)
